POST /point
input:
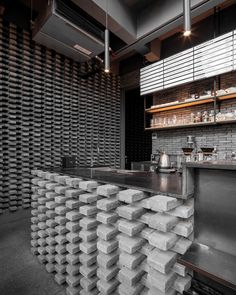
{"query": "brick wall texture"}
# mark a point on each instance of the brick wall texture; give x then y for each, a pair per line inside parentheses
(223, 137)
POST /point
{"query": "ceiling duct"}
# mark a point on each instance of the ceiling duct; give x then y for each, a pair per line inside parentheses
(63, 28)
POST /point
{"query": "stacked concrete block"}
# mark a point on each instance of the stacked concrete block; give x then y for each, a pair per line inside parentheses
(107, 243)
(88, 236)
(109, 240)
(73, 217)
(131, 241)
(172, 225)
(59, 241)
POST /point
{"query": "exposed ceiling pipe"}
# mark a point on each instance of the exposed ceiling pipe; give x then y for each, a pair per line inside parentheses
(107, 44)
(187, 17)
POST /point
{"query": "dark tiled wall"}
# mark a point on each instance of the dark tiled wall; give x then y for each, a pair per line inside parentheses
(47, 111)
(224, 137)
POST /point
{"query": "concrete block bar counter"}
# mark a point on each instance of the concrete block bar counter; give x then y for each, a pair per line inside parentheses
(117, 147)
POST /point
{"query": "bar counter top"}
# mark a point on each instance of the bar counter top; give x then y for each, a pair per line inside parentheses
(167, 184)
(220, 165)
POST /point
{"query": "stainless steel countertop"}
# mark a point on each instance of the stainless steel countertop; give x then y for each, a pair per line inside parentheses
(168, 184)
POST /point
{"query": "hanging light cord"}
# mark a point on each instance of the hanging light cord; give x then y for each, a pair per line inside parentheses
(106, 14)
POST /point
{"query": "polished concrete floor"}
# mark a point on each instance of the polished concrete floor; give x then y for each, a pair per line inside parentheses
(20, 271)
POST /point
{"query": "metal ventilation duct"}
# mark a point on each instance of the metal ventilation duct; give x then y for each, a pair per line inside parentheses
(62, 28)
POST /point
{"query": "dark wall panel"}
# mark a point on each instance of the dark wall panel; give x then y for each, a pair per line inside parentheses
(47, 111)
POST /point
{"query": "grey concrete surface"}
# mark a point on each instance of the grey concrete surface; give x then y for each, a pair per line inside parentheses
(20, 271)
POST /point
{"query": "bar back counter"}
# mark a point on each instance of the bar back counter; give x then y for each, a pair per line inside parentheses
(113, 234)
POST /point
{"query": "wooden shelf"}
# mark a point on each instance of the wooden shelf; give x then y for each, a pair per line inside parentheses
(186, 104)
(192, 125)
(226, 96)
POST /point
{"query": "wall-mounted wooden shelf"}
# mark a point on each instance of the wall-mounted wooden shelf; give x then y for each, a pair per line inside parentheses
(191, 125)
(186, 104)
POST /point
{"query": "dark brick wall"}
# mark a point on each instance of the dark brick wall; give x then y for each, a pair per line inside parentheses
(224, 137)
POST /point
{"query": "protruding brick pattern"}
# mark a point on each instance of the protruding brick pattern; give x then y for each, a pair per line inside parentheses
(103, 239)
(107, 243)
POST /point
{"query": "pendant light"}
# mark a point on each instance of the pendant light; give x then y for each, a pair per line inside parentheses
(187, 17)
(107, 43)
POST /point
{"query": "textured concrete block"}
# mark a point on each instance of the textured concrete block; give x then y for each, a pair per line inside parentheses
(182, 284)
(61, 178)
(88, 259)
(88, 223)
(73, 237)
(73, 290)
(107, 274)
(51, 205)
(60, 268)
(107, 204)
(130, 277)
(73, 248)
(161, 203)
(144, 203)
(73, 226)
(60, 258)
(50, 267)
(146, 232)
(73, 193)
(61, 249)
(42, 234)
(73, 204)
(107, 246)
(73, 269)
(107, 190)
(51, 186)
(107, 288)
(61, 239)
(42, 201)
(88, 210)
(74, 215)
(88, 284)
(50, 258)
(73, 259)
(61, 229)
(131, 261)
(181, 246)
(107, 261)
(88, 198)
(51, 223)
(61, 189)
(106, 232)
(131, 195)
(155, 291)
(162, 261)
(88, 186)
(130, 212)
(60, 278)
(51, 195)
(183, 228)
(88, 247)
(107, 217)
(161, 281)
(163, 241)
(130, 290)
(42, 242)
(162, 222)
(73, 281)
(61, 220)
(184, 211)
(61, 210)
(73, 182)
(50, 249)
(88, 271)
(50, 241)
(130, 228)
(180, 269)
(42, 225)
(130, 245)
(94, 291)
(88, 235)
(50, 214)
(51, 232)
(60, 199)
